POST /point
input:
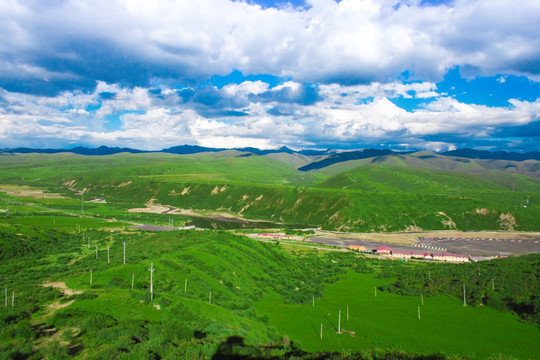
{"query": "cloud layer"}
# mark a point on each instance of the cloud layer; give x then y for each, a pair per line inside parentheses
(254, 114)
(56, 45)
(138, 73)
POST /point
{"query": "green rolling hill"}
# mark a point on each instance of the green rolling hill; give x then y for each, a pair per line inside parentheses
(214, 288)
(248, 298)
(384, 193)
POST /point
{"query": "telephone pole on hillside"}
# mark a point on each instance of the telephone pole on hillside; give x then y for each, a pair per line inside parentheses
(151, 281)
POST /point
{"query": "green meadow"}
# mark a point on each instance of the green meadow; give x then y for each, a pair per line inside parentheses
(389, 321)
(219, 293)
(209, 286)
(396, 193)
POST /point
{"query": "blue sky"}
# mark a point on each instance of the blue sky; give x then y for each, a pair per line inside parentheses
(351, 74)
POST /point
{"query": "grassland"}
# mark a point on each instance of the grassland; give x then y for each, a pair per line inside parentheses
(260, 292)
(389, 321)
(349, 196)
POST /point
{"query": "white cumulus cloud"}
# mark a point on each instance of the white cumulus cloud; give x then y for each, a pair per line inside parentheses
(353, 41)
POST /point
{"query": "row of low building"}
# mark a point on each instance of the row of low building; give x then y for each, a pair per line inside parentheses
(438, 256)
(411, 254)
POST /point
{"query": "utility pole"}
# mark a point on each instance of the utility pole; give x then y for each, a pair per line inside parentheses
(321, 330)
(124, 253)
(339, 323)
(464, 299)
(210, 298)
(422, 298)
(493, 284)
(132, 280)
(419, 313)
(6, 296)
(12, 298)
(108, 259)
(96, 252)
(375, 291)
(185, 286)
(90, 276)
(151, 281)
(313, 301)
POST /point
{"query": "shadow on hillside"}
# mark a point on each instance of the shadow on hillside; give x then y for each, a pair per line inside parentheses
(334, 326)
(234, 348)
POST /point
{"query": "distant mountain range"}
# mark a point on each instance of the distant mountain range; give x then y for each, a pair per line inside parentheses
(329, 156)
(180, 150)
(497, 155)
(102, 150)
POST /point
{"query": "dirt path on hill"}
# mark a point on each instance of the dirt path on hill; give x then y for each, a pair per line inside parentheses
(52, 308)
(51, 333)
(63, 288)
(57, 305)
(152, 207)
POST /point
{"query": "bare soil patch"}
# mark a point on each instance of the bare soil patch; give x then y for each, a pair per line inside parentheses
(57, 306)
(69, 184)
(507, 221)
(63, 288)
(27, 191)
(154, 208)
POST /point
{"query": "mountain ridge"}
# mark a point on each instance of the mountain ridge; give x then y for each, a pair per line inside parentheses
(496, 155)
(333, 156)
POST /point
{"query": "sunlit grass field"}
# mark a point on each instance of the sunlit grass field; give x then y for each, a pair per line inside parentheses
(349, 196)
(388, 321)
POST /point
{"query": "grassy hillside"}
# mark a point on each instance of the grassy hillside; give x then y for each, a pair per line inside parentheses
(106, 318)
(385, 178)
(389, 321)
(394, 193)
(242, 296)
(433, 162)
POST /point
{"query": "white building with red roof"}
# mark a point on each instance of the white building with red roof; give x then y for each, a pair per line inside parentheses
(383, 250)
(400, 254)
